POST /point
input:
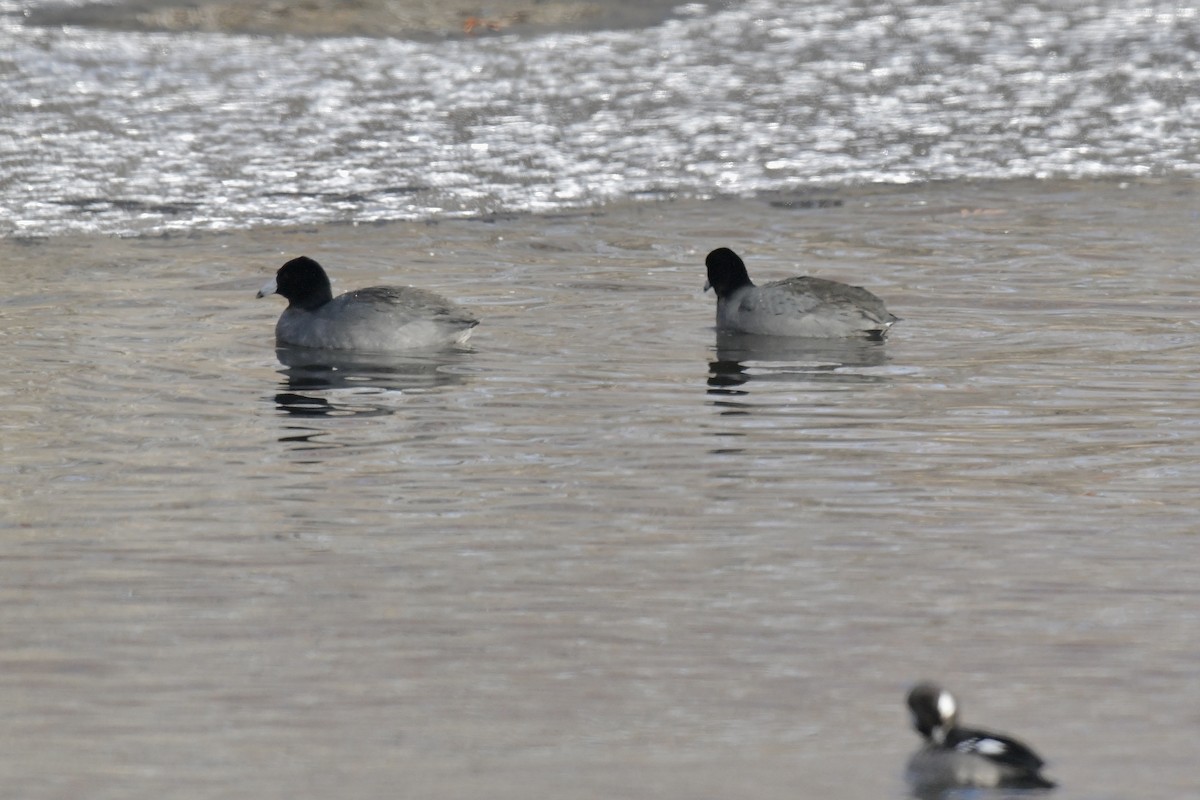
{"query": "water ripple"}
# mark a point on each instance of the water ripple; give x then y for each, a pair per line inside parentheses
(145, 133)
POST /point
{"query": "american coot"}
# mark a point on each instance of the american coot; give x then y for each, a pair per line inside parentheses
(954, 757)
(379, 319)
(801, 307)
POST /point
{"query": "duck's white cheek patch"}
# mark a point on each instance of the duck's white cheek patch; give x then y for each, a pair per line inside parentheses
(945, 704)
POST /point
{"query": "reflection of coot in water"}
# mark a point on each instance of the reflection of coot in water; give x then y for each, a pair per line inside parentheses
(743, 357)
(327, 382)
(378, 319)
(801, 307)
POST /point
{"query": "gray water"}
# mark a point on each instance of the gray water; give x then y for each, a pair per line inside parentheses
(602, 552)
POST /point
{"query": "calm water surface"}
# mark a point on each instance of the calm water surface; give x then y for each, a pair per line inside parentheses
(602, 553)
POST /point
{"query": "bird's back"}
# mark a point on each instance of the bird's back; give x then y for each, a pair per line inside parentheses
(378, 319)
(807, 306)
